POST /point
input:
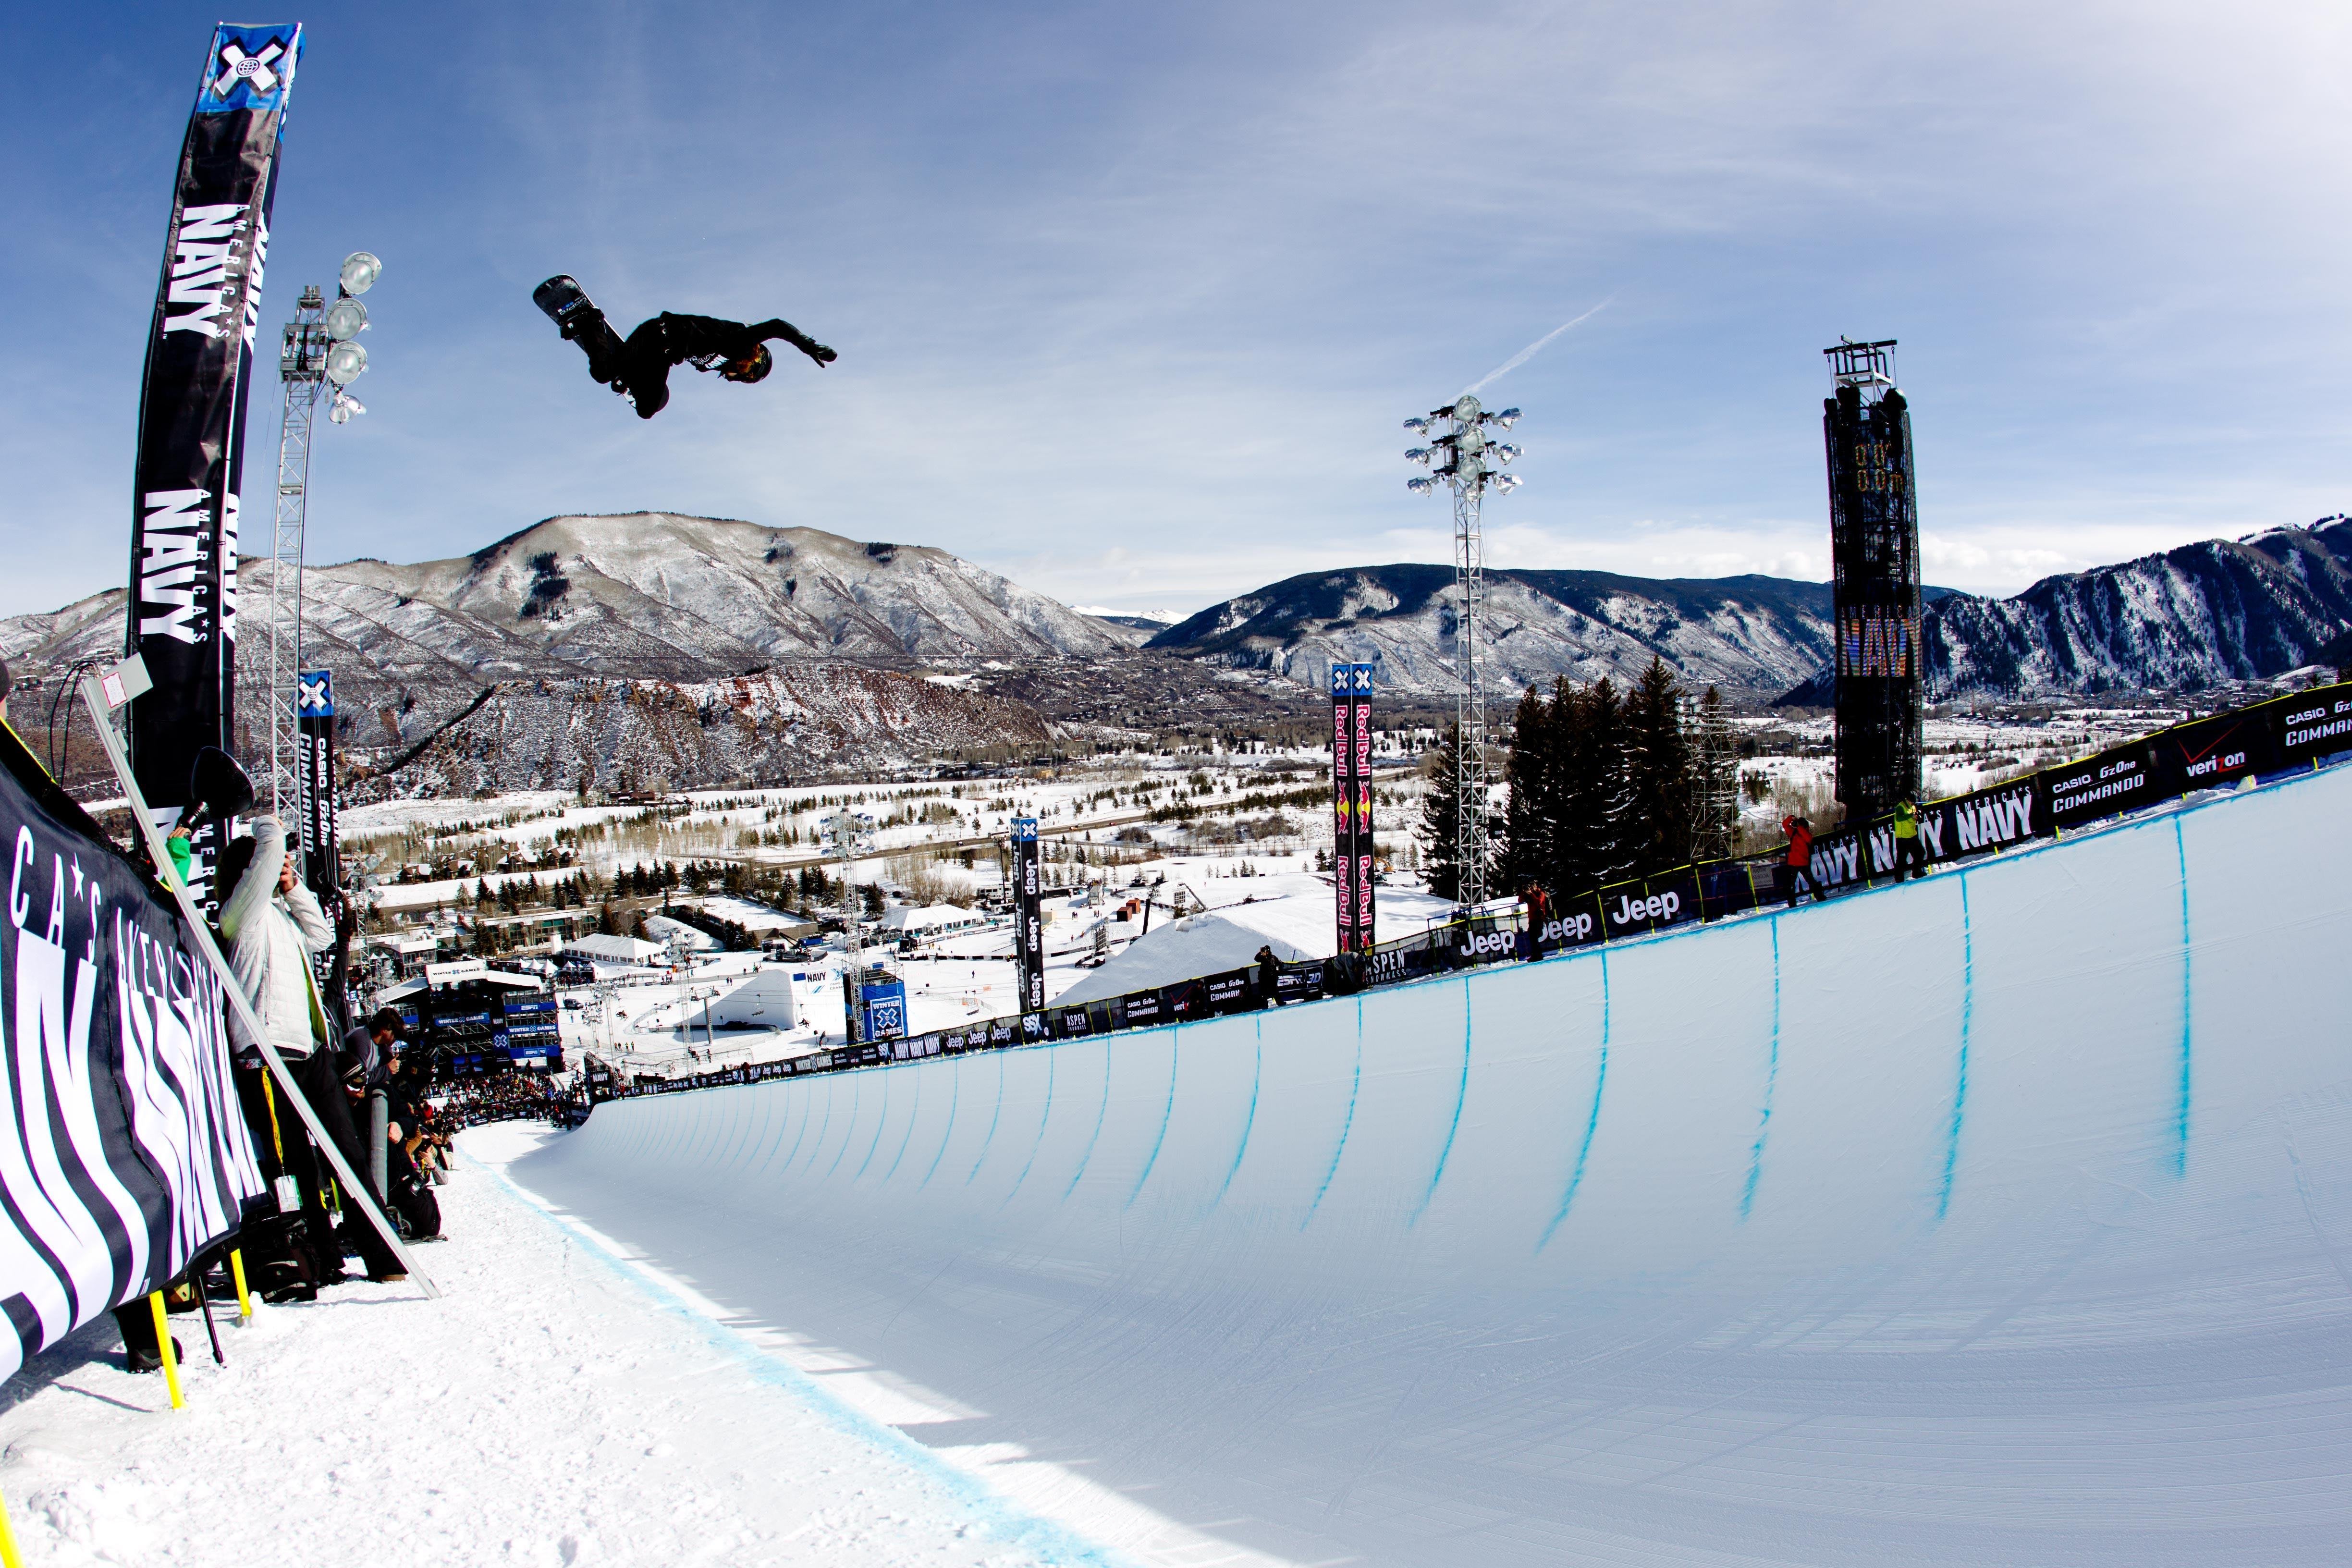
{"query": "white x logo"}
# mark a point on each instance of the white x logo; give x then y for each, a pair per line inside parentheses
(236, 64)
(311, 696)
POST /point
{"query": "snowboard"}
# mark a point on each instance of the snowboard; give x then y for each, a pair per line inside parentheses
(577, 318)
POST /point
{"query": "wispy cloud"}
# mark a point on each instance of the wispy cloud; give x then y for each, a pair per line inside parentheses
(1532, 350)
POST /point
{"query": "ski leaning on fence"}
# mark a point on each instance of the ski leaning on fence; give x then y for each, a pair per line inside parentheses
(122, 1151)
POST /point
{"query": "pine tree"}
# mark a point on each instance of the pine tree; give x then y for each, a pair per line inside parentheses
(1530, 817)
(1588, 739)
(1656, 816)
(1441, 817)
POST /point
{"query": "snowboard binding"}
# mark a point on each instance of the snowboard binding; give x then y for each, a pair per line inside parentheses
(578, 319)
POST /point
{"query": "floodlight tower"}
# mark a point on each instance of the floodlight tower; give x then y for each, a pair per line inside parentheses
(1469, 465)
(317, 351)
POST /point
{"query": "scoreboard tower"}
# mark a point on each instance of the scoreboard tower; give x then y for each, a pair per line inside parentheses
(1875, 546)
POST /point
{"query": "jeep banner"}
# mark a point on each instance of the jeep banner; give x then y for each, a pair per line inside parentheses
(125, 1153)
(183, 600)
(1028, 917)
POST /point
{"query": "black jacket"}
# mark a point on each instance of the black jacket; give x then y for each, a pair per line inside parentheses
(670, 339)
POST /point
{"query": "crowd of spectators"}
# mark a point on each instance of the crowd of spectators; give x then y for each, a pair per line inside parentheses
(513, 1095)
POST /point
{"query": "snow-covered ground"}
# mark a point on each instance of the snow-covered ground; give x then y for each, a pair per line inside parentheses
(562, 1404)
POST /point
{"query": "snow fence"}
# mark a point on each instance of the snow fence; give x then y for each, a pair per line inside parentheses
(2002, 1217)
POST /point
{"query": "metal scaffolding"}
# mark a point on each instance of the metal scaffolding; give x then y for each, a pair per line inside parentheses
(1470, 465)
(302, 366)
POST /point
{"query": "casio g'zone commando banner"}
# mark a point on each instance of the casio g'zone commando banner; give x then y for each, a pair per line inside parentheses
(192, 401)
(124, 1152)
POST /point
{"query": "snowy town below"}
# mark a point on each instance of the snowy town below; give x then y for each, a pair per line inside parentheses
(675, 934)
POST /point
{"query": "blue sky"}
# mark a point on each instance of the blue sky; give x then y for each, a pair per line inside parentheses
(1132, 299)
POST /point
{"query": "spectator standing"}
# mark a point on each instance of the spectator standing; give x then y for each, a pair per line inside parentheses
(271, 924)
(1269, 974)
(1801, 859)
(1908, 849)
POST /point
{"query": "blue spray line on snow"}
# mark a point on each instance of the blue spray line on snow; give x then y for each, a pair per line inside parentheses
(1592, 1120)
(1256, 1073)
(914, 1114)
(822, 1129)
(1967, 1029)
(2181, 1116)
(881, 1125)
(1166, 1111)
(856, 1099)
(947, 1136)
(994, 1116)
(1771, 1079)
(1461, 1093)
(1053, 1055)
(1056, 1543)
(1346, 1123)
(1095, 1137)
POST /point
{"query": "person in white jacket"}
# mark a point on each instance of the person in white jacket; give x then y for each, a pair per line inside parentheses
(272, 924)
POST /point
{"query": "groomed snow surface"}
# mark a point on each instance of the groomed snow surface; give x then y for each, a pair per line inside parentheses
(559, 1406)
(2004, 1219)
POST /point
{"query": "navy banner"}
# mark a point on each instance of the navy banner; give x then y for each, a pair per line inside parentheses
(182, 615)
(125, 1153)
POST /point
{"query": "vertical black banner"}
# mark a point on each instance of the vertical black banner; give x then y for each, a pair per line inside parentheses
(191, 413)
(1343, 807)
(1028, 916)
(1351, 804)
(1359, 699)
(322, 859)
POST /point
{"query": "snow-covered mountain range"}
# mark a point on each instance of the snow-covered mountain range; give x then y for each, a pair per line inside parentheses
(583, 643)
(2217, 611)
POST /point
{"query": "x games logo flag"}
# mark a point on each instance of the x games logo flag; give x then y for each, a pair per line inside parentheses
(251, 68)
(183, 611)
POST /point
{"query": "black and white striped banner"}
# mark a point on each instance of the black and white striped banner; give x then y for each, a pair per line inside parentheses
(122, 1151)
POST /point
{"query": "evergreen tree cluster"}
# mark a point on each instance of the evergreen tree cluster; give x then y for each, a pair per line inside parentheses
(1607, 785)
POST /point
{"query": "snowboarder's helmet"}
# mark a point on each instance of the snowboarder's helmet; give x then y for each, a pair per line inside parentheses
(756, 368)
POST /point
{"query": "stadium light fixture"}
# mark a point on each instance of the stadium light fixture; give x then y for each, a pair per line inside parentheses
(345, 320)
(361, 269)
(346, 362)
(1469, 465)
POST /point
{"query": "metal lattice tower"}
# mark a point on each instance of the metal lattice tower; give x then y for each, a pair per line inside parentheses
(302, 366)
(1470, 465)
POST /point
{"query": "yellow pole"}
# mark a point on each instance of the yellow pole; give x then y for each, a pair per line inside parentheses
(236, 1272)
(8, 1557)
(163, 1349)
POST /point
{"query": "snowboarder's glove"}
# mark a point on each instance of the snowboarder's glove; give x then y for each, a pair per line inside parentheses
(819, 352)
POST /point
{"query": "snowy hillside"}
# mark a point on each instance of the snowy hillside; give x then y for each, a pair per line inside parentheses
(1752, 634)
(2206, 612)
(637, 735)
(2221, 610)
(646, 594)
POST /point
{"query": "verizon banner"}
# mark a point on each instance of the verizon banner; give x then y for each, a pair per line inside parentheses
(191, 414)
(125, 1153)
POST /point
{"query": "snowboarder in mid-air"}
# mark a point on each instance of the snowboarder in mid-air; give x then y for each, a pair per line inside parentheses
(638, 366)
